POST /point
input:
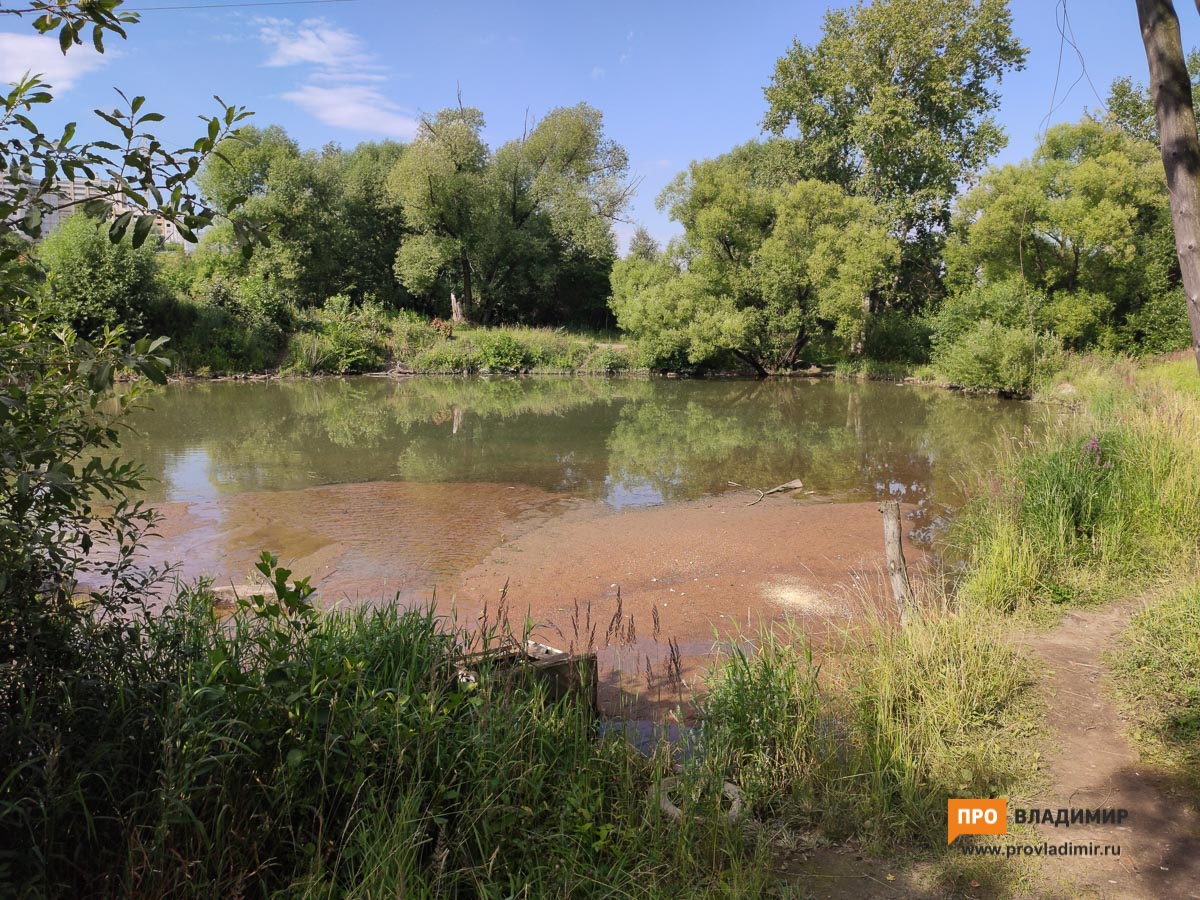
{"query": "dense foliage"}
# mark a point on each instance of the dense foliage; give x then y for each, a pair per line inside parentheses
(764, 269)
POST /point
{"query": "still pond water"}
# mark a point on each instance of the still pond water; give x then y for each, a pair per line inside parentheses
(422, 477)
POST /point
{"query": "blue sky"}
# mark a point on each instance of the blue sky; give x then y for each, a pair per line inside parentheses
(676, 81)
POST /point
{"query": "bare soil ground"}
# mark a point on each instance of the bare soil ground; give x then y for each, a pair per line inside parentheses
(1094, 764)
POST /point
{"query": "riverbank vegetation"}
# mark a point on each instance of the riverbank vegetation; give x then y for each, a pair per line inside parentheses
(814, 245)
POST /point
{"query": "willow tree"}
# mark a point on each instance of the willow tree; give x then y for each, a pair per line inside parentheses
(1171, 87)
(508, 222)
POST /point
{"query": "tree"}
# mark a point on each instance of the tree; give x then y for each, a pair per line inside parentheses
(643, 246)
(762, 269)
(334, 228)
(1080, 223)
(241, 168)
(95, 283)
(1171, 88)
(894, 104)
(1131, 108)
(58, 415)
(504, 225)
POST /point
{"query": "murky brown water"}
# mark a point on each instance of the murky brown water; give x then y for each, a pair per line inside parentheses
(377, 487)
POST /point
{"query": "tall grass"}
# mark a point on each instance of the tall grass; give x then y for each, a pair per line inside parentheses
(1156, 672)
(286, 750)
(1106, 500)
(870, 745)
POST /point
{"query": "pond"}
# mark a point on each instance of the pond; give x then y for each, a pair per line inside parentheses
(378, 487)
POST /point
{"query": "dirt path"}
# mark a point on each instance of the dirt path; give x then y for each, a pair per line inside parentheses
(1094, 764)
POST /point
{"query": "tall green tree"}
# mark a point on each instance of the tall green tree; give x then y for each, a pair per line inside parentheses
(334, 228)
(761, 272)
(500, 227)
(1131, 108)
(1083, 223)
(895, 104)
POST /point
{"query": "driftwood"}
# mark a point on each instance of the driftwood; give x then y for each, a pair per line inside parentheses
(793, 485)
(902, 590)
(563, 673)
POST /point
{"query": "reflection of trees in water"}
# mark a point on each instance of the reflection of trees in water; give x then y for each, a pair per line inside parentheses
(839, 436)
(578, 435)
(297, 433)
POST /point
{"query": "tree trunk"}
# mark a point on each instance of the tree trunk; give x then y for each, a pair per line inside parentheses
(751, 361)
(1171, 88)
(461, 311)
(902, 591)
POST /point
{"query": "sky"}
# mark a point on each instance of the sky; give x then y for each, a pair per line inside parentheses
(676, 81)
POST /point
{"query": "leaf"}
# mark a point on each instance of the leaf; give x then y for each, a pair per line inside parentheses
(65, 35)
(33, 219)
(141, 230)
(98, 38)
(116, 231)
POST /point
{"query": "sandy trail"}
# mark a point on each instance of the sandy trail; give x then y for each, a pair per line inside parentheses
(1094, 764)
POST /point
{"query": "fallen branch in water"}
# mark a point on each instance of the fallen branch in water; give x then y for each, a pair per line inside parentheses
(793, 485)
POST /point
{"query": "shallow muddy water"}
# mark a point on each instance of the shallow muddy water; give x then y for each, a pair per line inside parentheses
(376, 487)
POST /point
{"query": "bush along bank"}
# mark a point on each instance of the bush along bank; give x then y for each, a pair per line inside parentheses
(340, 338)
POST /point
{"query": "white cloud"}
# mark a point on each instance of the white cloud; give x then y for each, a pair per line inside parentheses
(597, 72)
(344, 85)
(314, 41)
(359, 107)
(21, 53)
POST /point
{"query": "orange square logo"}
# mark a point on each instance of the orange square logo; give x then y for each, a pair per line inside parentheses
(976, 817)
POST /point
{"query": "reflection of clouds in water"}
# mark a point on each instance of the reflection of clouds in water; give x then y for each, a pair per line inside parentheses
(625, 494)
(187, 476)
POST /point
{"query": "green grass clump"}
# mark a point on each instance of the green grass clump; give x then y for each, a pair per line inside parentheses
(290, 751)
(337, 339)
(1156, 671)
(610, 361)
(1105, 500)
(455, 357)
(871, 747)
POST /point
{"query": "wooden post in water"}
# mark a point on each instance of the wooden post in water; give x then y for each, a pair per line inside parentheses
(902, 590)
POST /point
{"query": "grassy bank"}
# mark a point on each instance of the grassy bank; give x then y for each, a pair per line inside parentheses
(340, 338)
(1156, 673)
(291, 752)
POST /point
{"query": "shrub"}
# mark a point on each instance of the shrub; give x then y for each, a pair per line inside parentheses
(412, 333)
(897, 337)
(1160, 325)
(499, 351)
(94, 282)
(1011, 303)
(991, 357)
(456, 357)
(610, 361)
(340, 338)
